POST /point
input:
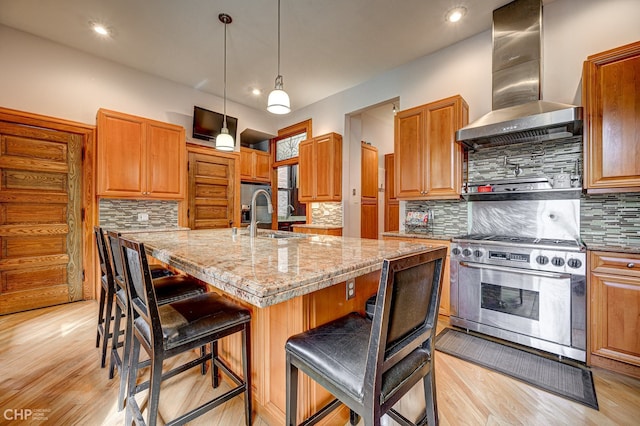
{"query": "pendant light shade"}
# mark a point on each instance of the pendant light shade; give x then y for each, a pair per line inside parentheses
(224, 141)
(278, 101)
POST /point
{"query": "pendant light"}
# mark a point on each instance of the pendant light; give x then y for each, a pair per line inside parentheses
(278, 102)
(224, 141)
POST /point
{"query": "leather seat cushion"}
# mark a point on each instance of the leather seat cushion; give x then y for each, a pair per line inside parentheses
(196, 317)
(159, 271)
(176, 287)
(337, 352)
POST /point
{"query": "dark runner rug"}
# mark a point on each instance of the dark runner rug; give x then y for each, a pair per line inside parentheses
(565, 380)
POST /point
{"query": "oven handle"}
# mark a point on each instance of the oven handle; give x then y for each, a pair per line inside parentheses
(520, 271)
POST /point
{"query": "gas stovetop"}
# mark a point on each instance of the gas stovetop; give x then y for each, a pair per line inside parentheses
(517, 241)
(543, 254)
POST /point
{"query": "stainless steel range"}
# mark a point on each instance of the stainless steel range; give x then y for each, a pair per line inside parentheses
(526, 290)
(520, 273)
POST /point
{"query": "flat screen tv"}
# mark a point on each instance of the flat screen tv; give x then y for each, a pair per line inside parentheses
(207, 124)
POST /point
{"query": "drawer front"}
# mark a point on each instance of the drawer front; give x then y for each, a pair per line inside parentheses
(616, 263)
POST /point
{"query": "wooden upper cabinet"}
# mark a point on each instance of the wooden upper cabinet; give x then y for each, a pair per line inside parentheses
(320, 166)
(140, 158)
(428, 159)
(255, 166)
(611, 96)
(369, 171)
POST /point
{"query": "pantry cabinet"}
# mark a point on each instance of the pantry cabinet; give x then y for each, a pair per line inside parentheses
(611, 97)
(445, 299)
(139, 158)
(614, 284)
(428, 159)
(320, 168)
(255, 166)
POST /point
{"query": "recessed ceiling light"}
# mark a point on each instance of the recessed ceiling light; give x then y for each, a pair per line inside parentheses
(454, 15)
(100, 29)
(256, 92)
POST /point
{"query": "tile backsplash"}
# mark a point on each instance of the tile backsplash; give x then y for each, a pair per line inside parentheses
(326, 214)
(604, 219)
(117, 213)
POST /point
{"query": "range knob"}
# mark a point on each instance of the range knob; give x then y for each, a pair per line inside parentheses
(542, 260)
(477, 253)
(466, 252)
(574, 263)
(557, 261)
(455, 251)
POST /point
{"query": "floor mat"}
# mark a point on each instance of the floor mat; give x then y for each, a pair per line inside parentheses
(565, 380)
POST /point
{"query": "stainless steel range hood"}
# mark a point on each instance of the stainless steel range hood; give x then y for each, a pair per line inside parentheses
(519, 114)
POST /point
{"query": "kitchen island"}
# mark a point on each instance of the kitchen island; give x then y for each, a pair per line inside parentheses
(290, 282)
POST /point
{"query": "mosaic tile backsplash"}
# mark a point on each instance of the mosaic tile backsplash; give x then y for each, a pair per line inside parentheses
(604, 219)
(326, 214)
(123, 214)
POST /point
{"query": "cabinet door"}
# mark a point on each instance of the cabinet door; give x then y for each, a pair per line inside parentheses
(614, 306)
(165, 168)
(246, 164)
(262, 166)
(325, 163)
(443, 156)
(369, 219)
(121, 152)
(409, 155)
(307, 169)
(211, 190)
(611, 93)
(391, 204)
(369, 171)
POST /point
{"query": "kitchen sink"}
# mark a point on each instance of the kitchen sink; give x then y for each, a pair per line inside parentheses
(279, 235)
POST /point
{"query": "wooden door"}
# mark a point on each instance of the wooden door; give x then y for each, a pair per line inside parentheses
(212, 191)
(40, 217)
(611, 94)
(391, 203)
(369, 191)
(443, 156)
(409, 153)
(165, 157)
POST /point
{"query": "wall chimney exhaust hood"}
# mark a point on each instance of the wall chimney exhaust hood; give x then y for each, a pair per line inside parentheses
(519, 114)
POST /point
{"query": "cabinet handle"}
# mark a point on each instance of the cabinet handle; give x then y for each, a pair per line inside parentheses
(630, 265)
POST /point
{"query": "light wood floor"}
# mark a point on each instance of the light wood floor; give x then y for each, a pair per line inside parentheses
(48, 364)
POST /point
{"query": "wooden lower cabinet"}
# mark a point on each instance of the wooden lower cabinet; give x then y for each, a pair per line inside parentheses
(614, 284)
(445, 300)
(335, 231)
(270, 329)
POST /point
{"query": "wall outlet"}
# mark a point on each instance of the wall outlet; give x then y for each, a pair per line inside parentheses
(351, 288)
(143, 217)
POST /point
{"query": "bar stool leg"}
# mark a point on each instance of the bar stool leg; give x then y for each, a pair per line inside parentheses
(246, 363)
(155, 379)
(124, 374)
(106, 328)
(100, 315)
(115, 340)
(131, 386)
(292, 393)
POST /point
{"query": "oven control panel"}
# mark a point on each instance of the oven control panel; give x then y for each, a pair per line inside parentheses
(570, 262)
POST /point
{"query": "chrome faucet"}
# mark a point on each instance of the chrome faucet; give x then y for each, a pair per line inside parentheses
(253, 228)
(290, 209)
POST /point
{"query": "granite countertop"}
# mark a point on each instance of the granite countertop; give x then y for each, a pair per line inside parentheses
(266, 271)
(416, 235)
(612, 247)
(316, 226)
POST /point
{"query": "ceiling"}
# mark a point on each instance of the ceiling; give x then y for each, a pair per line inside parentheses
(327, 46)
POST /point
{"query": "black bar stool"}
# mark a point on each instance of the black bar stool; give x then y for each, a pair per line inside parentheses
(177, 327)
(369, 365)
(108, 292)
(169, 288)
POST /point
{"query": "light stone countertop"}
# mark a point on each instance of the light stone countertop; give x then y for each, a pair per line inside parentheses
(266, 271)
(316, 226)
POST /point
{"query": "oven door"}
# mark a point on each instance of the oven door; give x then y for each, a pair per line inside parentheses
(525, 301)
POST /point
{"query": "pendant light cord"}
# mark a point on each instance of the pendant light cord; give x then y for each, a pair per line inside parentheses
(224, 121)
(278, 40)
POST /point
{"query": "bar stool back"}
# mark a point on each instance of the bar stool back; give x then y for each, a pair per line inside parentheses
(168, 287)
(174, 328)
(369, 365)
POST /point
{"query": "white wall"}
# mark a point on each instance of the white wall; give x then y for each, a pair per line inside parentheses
(572, 30)
(47, 78)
